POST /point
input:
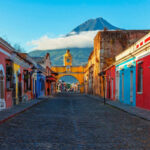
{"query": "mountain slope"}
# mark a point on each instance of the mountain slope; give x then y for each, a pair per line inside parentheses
(80, 55)
(94, 24)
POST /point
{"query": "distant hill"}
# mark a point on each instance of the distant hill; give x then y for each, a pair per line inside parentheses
(80, 55)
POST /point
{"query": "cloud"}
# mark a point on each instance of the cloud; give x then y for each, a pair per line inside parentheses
(84, 39)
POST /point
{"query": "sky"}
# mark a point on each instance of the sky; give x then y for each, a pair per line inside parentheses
(36, 23)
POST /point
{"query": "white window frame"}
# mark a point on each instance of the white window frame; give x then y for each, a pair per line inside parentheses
(2, 100)
(141, 79)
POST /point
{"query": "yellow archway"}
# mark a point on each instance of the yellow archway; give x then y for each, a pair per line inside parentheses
(69, 70)
(75, 71)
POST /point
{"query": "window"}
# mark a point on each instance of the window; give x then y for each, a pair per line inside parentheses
(1, 85)
(122, 86)
(27, 81)
(140, 77)
(9, 76)
(112, 88)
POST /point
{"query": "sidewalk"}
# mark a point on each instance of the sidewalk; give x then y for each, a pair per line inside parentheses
(139, 112)
(15, 110)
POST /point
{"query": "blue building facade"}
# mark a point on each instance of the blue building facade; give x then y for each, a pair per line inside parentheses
(40, 85)
(127, 81)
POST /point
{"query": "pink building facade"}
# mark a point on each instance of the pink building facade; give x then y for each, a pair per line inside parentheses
(5, 75)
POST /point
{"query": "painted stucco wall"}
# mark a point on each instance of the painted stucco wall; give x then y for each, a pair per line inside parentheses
(125, 69)
(110, 83)
(39, 90)
(75, 71)
(143, 98)
(8, 94)
(16, 68)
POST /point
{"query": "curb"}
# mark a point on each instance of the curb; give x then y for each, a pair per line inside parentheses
(19, 112)
(119, 108)
(133, 114)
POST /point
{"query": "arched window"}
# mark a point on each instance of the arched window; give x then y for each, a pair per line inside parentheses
(1, 85)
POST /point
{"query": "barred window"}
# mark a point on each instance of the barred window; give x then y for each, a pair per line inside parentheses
(1, 85)
(140, 77)
(29, 81)
(9, 76)
(25, 81)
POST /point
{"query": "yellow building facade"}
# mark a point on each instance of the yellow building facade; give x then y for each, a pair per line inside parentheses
(92, 69)
(16, 72)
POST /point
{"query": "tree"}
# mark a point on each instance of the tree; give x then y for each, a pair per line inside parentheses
(18, 48)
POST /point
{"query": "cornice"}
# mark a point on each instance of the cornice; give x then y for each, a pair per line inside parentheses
(3, 42)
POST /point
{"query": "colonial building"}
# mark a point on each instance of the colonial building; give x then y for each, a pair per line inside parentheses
(142, 54)
(110, 82)
(107, 44)
(20, 83)
(132, 72)
(48, 78)
(6, 75)
(126, 77)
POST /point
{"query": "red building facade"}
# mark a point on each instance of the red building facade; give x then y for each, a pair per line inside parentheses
(143, 82)
(143, 72)
(110, 82)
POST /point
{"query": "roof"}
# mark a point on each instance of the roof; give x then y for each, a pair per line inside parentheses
(38, 59)
(24, 56)
(41, 68)
(6, 44)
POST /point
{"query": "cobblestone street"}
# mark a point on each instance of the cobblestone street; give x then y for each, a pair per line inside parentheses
(74, 123)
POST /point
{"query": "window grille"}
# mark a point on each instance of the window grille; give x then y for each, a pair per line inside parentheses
(1, 85)
(140, 77)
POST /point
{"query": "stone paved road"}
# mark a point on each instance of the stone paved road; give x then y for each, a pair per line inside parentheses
(74, 123)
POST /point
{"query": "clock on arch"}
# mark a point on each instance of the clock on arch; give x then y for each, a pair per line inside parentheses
(68, 60)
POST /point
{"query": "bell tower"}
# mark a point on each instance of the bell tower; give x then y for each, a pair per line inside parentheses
(67, 58)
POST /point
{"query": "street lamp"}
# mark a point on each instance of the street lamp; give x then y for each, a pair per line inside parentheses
(103, 76)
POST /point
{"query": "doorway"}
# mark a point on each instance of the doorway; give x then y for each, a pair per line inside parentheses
(131, 86)
(117, 85)
(112, 88)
